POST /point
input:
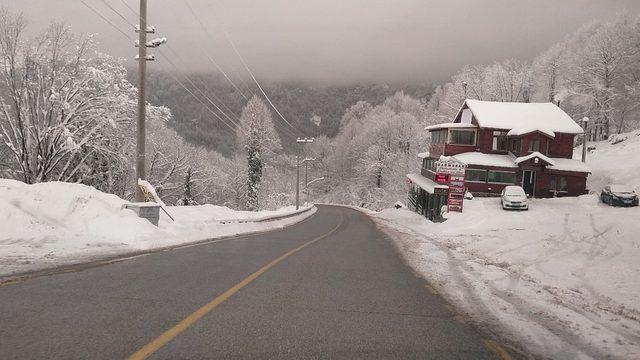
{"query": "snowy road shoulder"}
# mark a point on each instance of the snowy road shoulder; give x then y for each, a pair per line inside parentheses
(562, 279)
(52, 224)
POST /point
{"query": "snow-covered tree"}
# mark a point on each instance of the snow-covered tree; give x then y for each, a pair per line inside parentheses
(187, 198)
(257, 137)
(56, 101)
(507, 80)
(375, 149)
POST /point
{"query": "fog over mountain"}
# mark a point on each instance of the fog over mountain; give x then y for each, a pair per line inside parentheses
(334, 41)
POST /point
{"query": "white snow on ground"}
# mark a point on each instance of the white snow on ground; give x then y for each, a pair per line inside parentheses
(562, 279)
(50, 224)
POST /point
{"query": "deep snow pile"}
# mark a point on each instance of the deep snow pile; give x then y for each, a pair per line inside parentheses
(614, 161)
(562, 279)
(54, 223)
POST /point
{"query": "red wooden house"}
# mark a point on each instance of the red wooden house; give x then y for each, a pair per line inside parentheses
(526, 144)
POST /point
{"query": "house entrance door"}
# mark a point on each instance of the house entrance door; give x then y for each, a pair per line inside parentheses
(529, 182)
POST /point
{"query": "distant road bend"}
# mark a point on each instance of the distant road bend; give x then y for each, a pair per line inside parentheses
(331, 286)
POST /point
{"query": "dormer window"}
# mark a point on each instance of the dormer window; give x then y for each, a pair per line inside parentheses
(534, 145)
(515, 145)
(500, 142)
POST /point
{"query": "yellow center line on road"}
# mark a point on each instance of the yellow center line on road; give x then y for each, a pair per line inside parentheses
(497, 349)
(168, 335)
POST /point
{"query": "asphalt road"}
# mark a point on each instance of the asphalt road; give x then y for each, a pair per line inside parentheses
(343, 293)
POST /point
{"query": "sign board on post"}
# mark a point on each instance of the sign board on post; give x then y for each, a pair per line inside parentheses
(454, 172)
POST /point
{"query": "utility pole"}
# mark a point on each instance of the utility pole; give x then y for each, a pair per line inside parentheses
(142, 99)
(300, 141)
(142, 29)
(585, 120)
(306, 177)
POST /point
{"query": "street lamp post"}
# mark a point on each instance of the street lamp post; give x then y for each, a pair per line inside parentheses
(585, 120)
(300, 141)
(464, 87)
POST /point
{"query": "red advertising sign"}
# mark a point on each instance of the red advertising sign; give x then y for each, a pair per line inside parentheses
(452, 172)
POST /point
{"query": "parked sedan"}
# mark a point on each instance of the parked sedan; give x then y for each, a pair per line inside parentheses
(617, 195)
(514, 197)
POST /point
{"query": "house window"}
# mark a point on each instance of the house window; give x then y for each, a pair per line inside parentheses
(501, 177)
(428, 164)
(563, 183)
(438, 137)
(462, 137)
(476, 175)
(515, 145)
(534, 145)
(499, 141)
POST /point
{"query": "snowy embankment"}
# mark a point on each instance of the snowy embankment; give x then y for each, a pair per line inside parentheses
(51, 224)
(561, 280)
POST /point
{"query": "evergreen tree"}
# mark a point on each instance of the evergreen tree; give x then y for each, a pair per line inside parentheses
(187, 198)
(258, 138)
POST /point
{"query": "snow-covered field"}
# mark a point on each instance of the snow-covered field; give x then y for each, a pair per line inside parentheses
(562, 279)
(50, 224)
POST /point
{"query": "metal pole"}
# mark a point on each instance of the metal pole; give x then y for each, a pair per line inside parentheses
(584, 139)
(142, 67)
(306, 181)
(297, 182)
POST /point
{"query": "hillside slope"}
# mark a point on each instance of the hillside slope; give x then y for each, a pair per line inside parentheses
(616, 160)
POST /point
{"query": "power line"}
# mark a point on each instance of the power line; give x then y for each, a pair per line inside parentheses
(173, 64)
(118, 13)
(256, 81)
(168, 60)
(234, 120)
(106, 19)
(245, 66)
(209, 57)
(219, 69)
(233, 130)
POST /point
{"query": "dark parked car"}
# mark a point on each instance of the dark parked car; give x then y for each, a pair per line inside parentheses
(616, 195)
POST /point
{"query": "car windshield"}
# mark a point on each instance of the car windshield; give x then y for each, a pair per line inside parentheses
(621, 190)
(514, 192)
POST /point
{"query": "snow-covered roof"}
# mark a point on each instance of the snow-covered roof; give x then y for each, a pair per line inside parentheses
(569, 165)
(533, 155)
(509, 161)
(427, 184)
(423, 155)
(522, 118)
(449, 125)
(525, 130)
(478, 158)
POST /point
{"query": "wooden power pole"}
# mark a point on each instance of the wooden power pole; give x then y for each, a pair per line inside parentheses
(142, 100)
(142, 29)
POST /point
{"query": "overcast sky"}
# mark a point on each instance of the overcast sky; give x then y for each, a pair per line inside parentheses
(336, 40)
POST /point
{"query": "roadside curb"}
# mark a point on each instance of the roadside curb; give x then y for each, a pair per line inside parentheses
(97, 262)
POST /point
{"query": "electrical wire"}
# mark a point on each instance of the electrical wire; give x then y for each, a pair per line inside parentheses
(209, 57)
(234, 130)
(245, 66)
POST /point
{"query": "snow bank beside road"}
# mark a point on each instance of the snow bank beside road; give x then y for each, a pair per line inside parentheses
(562, 278)
(54, 223)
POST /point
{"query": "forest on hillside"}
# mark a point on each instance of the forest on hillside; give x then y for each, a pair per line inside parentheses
(312, 110)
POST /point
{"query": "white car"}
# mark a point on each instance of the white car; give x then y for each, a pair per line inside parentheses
(514, 197)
